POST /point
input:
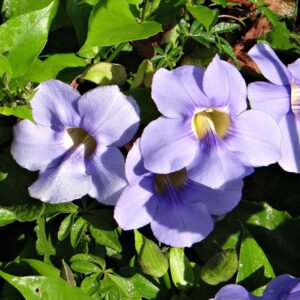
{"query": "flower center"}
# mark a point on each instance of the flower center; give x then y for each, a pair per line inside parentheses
(210, 120)
(295, 99)
(78, 136)
(162, 182)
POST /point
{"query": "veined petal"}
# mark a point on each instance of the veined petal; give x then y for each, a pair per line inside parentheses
(168, 145)
(55, 105)
(257, 136)
(217, 202)
(225, 86)
(106, 167)
(178, 93)
(294, 68)
(216, 166)
(283, 287)
(34, 146)
(290, 146)
(109, 116)
(134, 167)
(270, 98)
(270, 65)
(234, 292)
(180, 222)
(137, 204)
(63, 182)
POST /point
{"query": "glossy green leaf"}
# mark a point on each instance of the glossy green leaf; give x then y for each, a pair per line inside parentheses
(22, 111)
(151, 259)
(220, 268)
(51, 210)
(88, 258)
(43, 268)
(113, 22)
(104, 73)
(5, 66)
(91, 284)
(181, 271)
(256, 274)
(77, 231)
(25, 36)
(44, 287)
(114, 287)
(224, 27)
(65, 227)
(6, 216)
(44, 244)
(144, 75)
(203, 14)
(84, 267)
(26, 212)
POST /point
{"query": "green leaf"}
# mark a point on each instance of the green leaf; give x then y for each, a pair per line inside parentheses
(6, 216)
(44, 287)
(20, 111)
(51, 210)
(144, 74)
(25, 36)
(43, 268)
(88, 258)
(53, 67)
(256, 274)
(65, 227)
(104, 73)
(26, 212)
(84, 267)
(224, 27)
(181, 271)
(114, 287)
(112, 22)
(5, 66)
(221, 267)
(203, 14)
(77, 231)
(43, 243)
(91, 284)
(151, 259)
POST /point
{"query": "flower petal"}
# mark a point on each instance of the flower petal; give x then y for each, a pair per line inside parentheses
(178, 93)
(106, 167)
(137, 204)
(34, 146)
(181, 222)
(168, 145)
(109, 116)
(216, 166)
(55, 105)
(234, 292)
(290, 146)
(134, 166)
(257, 136)
(270, 98)
(217, 202)
(294, 68)
(63, 182)
(283, 287)
(225, 86)
(270, 65)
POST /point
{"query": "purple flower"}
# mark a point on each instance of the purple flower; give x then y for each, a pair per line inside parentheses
(178, 209)
(73, 142)
(205, 126)
(280, 99)
(284, 287)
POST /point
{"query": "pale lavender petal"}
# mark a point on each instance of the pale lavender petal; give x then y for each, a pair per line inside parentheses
(34, 146)
(234, 292)
(270, 65)
(137, 204)
(270, 98)
(290, 146)
(168, 145)
(109, 116)
(106, 167)
(178, 93)
(55, 105)
(134, 166)
(225, 86)
(180, 222)
(63, 182)
(215, 166)
(282, 286)
(294, 68)
(217, 202)
(257, 136)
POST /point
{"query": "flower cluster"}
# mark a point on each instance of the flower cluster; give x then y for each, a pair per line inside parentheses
(189, 164)
(284, 287)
